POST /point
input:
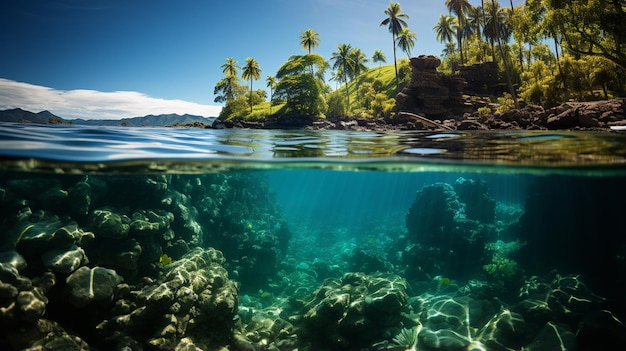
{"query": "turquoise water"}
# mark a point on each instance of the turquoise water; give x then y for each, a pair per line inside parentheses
(189, 239)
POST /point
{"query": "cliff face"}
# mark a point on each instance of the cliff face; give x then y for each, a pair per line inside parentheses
(430, 93)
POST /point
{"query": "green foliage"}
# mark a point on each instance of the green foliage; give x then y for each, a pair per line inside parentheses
(337, 106)
(502, 268)
(591, 27)
(381, 106)
(483, 111)
(302, 94)
(298, 64)
(506, 103)
(404, 71)
(577, 79)
(366, 94)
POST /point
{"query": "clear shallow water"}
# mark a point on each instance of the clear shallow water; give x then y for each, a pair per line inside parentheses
(327, 240)
(201, 150)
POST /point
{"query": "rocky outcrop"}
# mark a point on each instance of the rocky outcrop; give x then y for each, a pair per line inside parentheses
(431, 93)
(482, 79)
(591, 115)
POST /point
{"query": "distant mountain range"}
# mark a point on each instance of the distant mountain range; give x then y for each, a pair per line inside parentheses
(46, 117)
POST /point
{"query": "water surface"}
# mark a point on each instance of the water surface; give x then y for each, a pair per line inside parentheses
(194, 239)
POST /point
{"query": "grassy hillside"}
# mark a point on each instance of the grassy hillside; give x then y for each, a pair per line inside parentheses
(382, 80)
(385, 74)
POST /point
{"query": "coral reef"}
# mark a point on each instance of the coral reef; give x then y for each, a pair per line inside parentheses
(354, 310)
(193, 301)
(448, 227)
(84, 251)
(206, 262)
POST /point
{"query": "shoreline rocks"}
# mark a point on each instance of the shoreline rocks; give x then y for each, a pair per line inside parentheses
(602, 115)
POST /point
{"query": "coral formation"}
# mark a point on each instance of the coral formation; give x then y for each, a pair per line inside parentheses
(354, 310)
(448, 226)
(90, 247)
(206, 262)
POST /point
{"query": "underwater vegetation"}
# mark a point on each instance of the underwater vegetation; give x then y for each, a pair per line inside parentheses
(208, 262)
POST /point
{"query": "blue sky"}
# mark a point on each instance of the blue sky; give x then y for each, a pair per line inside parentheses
(57, 52)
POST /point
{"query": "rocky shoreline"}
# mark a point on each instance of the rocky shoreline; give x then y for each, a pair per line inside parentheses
(601, 115)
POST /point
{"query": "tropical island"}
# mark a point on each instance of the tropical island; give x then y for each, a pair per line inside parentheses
(540, 65)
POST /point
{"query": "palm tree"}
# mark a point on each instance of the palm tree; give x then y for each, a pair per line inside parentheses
(498, 25)
(310, 39)
(251, 71)
(406, 40)
(449, 49)
(271, 83)
(378, 57)
(342, 63)
(357, 60)
(459, 8)
(395, 21)
(226, 89)
(230, 67)
(499, 33)
(445, 29)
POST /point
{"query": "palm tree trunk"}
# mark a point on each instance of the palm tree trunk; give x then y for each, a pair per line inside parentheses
(347, 93)
(507, 70)
(395, 62)
(271, 100)
(250, 95)
(459, 38)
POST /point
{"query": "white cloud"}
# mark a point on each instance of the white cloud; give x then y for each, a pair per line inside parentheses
(92, 104)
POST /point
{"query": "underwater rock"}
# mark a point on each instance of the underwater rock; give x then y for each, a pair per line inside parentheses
(121, 255)
(264, 329)
(147, 223)
(108, 224)
(354, 310)
(562, 298)
(479, 204)
(64, 260)
(448, 240)
(43, 335)
(194, 299)
(367, 262)
(91, 284)
(445, 322)
(553, 336)
(443, 339)
(21, 302)
(79, 198)
(11, 262)
(185, 223)
(53, 198)
(43, 234)
(602, 330)
(505, 328)
(235, 213)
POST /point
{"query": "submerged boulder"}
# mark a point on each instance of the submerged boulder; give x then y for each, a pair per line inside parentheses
(354, 310)
(193, 300)
(86, 285)
(448, 227)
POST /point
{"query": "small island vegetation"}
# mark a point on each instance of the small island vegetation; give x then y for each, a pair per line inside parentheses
(546, 52)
